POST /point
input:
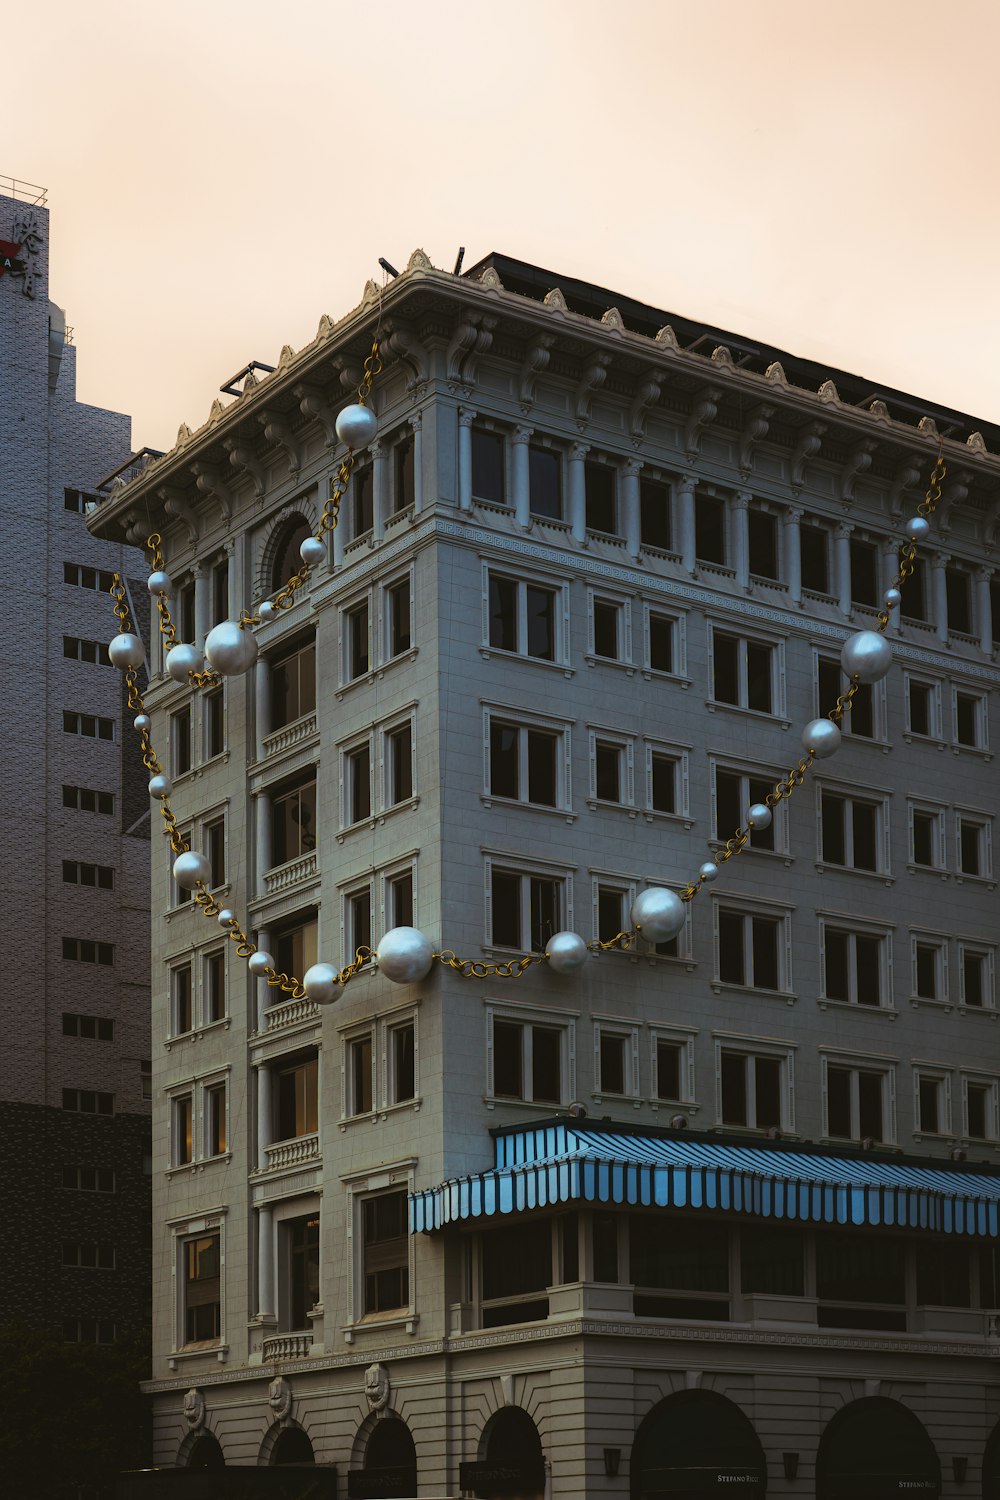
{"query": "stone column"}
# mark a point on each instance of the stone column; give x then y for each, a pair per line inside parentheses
(793, 553)
(340, 537)
(241, 585)
(264, 1113)
(578, 490)
(939, 595)
(631, 505)
(263, 830)
(380, 487)
(741, 528)
(984, 610)
(888, 572)
(842, 567)
(688, 546)
(465, 421)
(202, 604)
(262, 702)
(265, 1260)
(521, 475)
(263, 997)
(416, 425)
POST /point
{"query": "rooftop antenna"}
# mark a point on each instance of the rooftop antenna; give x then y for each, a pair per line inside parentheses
(389, 270)
(459, 260)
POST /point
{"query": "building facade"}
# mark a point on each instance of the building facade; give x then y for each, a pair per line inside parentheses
(74, 1073)
(715, 1213)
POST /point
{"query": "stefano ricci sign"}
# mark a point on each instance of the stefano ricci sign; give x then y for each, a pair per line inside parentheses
(19, 256)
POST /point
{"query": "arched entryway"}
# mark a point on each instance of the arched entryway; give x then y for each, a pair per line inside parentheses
(389, 1466)
(284, 551)
(206, 1453)
(873, 1449)
(694, 1443)
(991, 1466)
(510, 1462)
(292, 1446)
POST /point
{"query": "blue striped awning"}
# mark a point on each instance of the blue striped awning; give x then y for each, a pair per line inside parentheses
(551, 1165)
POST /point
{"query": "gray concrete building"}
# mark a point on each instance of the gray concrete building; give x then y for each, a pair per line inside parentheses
(714, 1214)
(74, 1067)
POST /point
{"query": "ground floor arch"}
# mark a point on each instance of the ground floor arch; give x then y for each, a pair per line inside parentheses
(511, 1465)
(873, 1449)
(696, 1443)
(389, 1463)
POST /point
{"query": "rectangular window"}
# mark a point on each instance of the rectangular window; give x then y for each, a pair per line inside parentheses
(89, 1330)
(524, 907)
(220, 590)
(608, 630)
(180, 741)
(296, 1099)
(358, 787)
(931, 1111)
(402, 475)
(970, 720)
(710, 529)
(669, 1062)
(523, 763)
(215, 1120)
(362, 500)
(750, 950)
(976, 969)
(88, 1179)
(916, 593)
(146, 1077)
(402, 1062)
(88, 726)
(943, 1274)
(77, 501)
(612, 1063)
(182, 1014)
(488, 466)
(980, 1110)
(869, 1273)
(930, 969)
(80, 577)
(750, 1090)
(86, 951)
(662, 642)
(293, 685)
(545, 483)
(295, 946)
(214, 835)
(215, 985)
(359, 919)
(763, 529)
(202, 1290)
(608, 768)
(830, 684)
(527, 1061)
(973, 847)
(357, 649)
(601, 507)
(735, 793)
(399, 765)
(215, 722)
(856, 1104)
(359, 1063)
(85, 799)
(386, 1253)
(397, 605)
(927, 837)
(183, 1131)
(683, 1274)
(93, 1028)
(851, 832)
(399, 899)
(516, 1270)
(78, 872)
(772, 1261)
(302, 1268)
(293, 822)
(922, 708)
(663, 782)
(522, 618)
(743, 672)
(854, 966)
(814, 551)
(864, 573)
(184, 610)
(654, 514)
(958, 589)
(76, 649)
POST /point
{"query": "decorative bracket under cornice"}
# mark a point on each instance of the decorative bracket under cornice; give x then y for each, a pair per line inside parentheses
(703, 414)
(278, 431)
(473, 336)
(536, 359)
(241, 457)
(755, 429)
(647, 394)
(906, 476)
(809, 443)
(405, 345)
(209, 480)
(175, 505)
(313, 403)
(859, 461)
(593, 377)
(956, 490)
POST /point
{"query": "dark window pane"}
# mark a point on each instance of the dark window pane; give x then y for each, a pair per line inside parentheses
(607, 773)
(542, 749)
(729, 803)
(759, 685)
(916, 593)
(402, 455)
(838, 1102)
(732, 969)
(661, 643)
(403, 1070)
(973, 965)
(970, 844)
(924, 826)
(569, 1245)
(359, 774)
(834, 842)
(540, 609)
(606, 630)
(506, 892)
(544, 897)
(487, 466)
(959, 592)
(967, 719)
(508, 1076)
(303, 1255)
(668, 1070)
(664, 783)
(763, 544)
(545, 1064)
(503, 613)
(767, 1081)
(360, 911)
(362, 491)
(734, 1089)
(692, 1256)
(759, 790)
(864, 572)
(870, 1105)
(920, 708)
(927, 971)
(654, 514)
(772, 1261)
(357, 641)
(865, 820)
(401, 899)
(604, 1228)
(600, 481)
(399, 617)
(725, 653)
(943, 1275)
(854, 1268)
(710, 529)
(504, 781)
(977, 1098)
(814, 544)
(862, 711)
(868, 952)
(361, 1076)
(544, 483)
(929, 1114)
(612, 1064)
(401, 764)
(517, 1259)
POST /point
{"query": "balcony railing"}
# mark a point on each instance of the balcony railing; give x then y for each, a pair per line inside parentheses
(290, 734)
(287, 1346)
(290, 1013)
(292, 872)
(293, 1153)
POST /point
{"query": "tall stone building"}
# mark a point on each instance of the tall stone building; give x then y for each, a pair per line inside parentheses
(74, 1066)
(714, 1214)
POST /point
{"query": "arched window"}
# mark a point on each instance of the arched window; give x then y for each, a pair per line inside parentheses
(873, 1449)
(206, 1453)
(292, 1447)
(285, 558)
(390, 1462)
(510, 1459)
(692, 1432)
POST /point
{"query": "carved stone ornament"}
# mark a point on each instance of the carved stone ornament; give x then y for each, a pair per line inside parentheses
(667, 336)
(419, 261)
(377, 1389)
(279, 1398)
(194, 1409)
(555, 299)
(491, 279)
(613, 319)
(775, 374)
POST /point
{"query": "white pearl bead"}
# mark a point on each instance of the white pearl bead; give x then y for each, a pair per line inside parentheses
(892, 598)
(320, 984)
(160, 786)
(312, 551)
(821, 737)
(126, 650)
(190, 869)
(357, 426)
(225, 917)
(159, 583)
(266, 612)
(759, 815)
(709, 871)
(182, 659)
(230, 649)
(658, 913)
(566, 952)
(142, 721)
(866, 657)
(917, 528)
(258, 963)
(405, 955)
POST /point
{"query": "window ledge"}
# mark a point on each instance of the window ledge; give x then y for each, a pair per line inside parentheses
(380, 1112)
(824, 868)
(594, 660)
(916, 1001)
(596, 804)
(915, 869)
(620, 1099)
(376, 1322)
(199, 1165)
(176, 1356)
(183, 907)
(533, 661)
(487, 799)
(656, 674)
(976, 750)
(377, 820)
(889, 1011)
(909, 738)
(724, 986)
(197, 1032)
(978, 1010)
(987, 880)
(543, 1106)
(786, 859)
(655, 814)
(688, 1106)
(713, 705)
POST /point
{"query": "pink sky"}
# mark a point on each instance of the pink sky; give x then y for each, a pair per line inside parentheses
(221, 172)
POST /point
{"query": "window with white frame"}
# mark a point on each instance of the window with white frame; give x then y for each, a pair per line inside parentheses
(524, 617)
(610, 622)
(181, 1130)
(666, 779)
(754, 1084)
(180, 741)
(671, 1065)
(292, 681)
(355, 639)
(397, 616)
(401, 1061)
(530, 1055)
(358, 1091)
(527, 758)
(616, 1059)
(385, 1251)
(612, 767)
(854, 831)
(929, 955)
(765, 552)
(969, 719)
(927, 836)
(857, 963)
(746, 673)
(293, 818)
(358, 917)
(356, 782)
(488, 465)
(655, 529)
(214, 722)
(923, 706)
(859, 1100)
(865, 716)
(214, 845)
(600, 481)
(398, 903)
(524, 907)
(545, 482)
(976, 967)
(733, 793)
(612, 904)
(931, 1100)
(379, 1063)
(663, 642)
(979, 1108)
(200, 1312)
(199, 1120)
(397, 759)
(215, 1132)
(753, 947)
(181, 999)
(974, 841)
